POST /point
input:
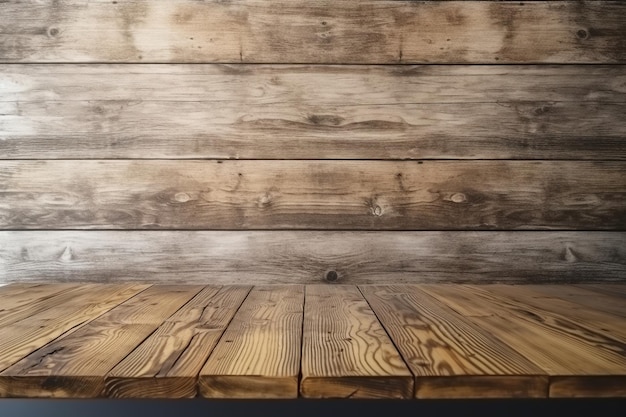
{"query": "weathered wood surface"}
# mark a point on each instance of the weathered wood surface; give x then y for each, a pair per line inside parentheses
(569, 354)
(306, 257)
(345, 350)
(259, 354)
(321, 31)
(458, 341)
(20, 339)
(167, 364)
(312, 112)
(391, 195)
(74, 366)
(449, 356)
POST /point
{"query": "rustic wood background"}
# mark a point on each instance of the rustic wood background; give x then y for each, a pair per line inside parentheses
(371, 141)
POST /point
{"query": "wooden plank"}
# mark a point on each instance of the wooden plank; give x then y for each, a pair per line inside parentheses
(20, 339)
(75, 366)
(345, 350)
(398, 195)
(24, 295)
(312, 112)
(568, 317)
(570, 358)
(259, 354)
(58, 294)
(167, 364)
(450, 356)
(307, 257)
(322, 31)
(600, 310)
(618, 289)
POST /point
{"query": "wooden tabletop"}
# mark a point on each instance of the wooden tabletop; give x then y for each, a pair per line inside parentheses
(316, 341)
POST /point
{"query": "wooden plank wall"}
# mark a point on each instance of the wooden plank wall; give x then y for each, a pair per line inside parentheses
(371, 141)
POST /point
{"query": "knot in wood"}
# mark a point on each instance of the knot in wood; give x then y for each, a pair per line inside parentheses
(182, 197)
(458, 198)
(582, 34)
(331, 276)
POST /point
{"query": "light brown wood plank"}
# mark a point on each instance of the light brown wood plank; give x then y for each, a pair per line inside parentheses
(397, 195)
(167, 364)
(577, 317)
(75, 366)
(308, 257)
(592, 300)
(345, 350)
(57, 294)
(23, 295)
(554, 347)
(259, 354)
(312, 112)
(20, 339)
(450, 356)
(320, 31)
(614, 289)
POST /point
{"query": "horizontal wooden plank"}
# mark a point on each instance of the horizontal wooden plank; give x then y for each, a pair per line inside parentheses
(312, 112)
(322, 31)
(375, 195)
(265, 257)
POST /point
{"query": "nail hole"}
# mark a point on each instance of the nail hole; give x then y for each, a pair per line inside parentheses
(582, 34)
(53, 31)
(331, 276)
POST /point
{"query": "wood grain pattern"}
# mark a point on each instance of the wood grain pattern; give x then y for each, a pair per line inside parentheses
(306, 257)
(609, 289)
(312, 112)
(449, 356)
(167, 364)
(259, 354)
(578, 319)
(345, 350)
(553, 346)
(20, 296)
(75, 366)
(591, 300)
(56, 296)
(320, 31)
(20, 339)
(394, 195)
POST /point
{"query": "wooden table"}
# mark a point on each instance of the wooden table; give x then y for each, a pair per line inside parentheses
(316, 341)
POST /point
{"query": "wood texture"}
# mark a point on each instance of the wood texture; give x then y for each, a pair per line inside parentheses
(75, 366)
(23, 295)
(306, 257)
(20, 339)
(259, 354)
(345, 350)
(394, 195)
(320, 31)
(167, 364)
(126, 341)
(579, 319)
(591, 300)
(567, 353)
(449, 356)
(312, 112)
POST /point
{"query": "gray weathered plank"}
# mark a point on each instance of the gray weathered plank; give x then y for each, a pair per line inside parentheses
(321, 31)
(265, 257)
(312, 112)
(375, 195)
